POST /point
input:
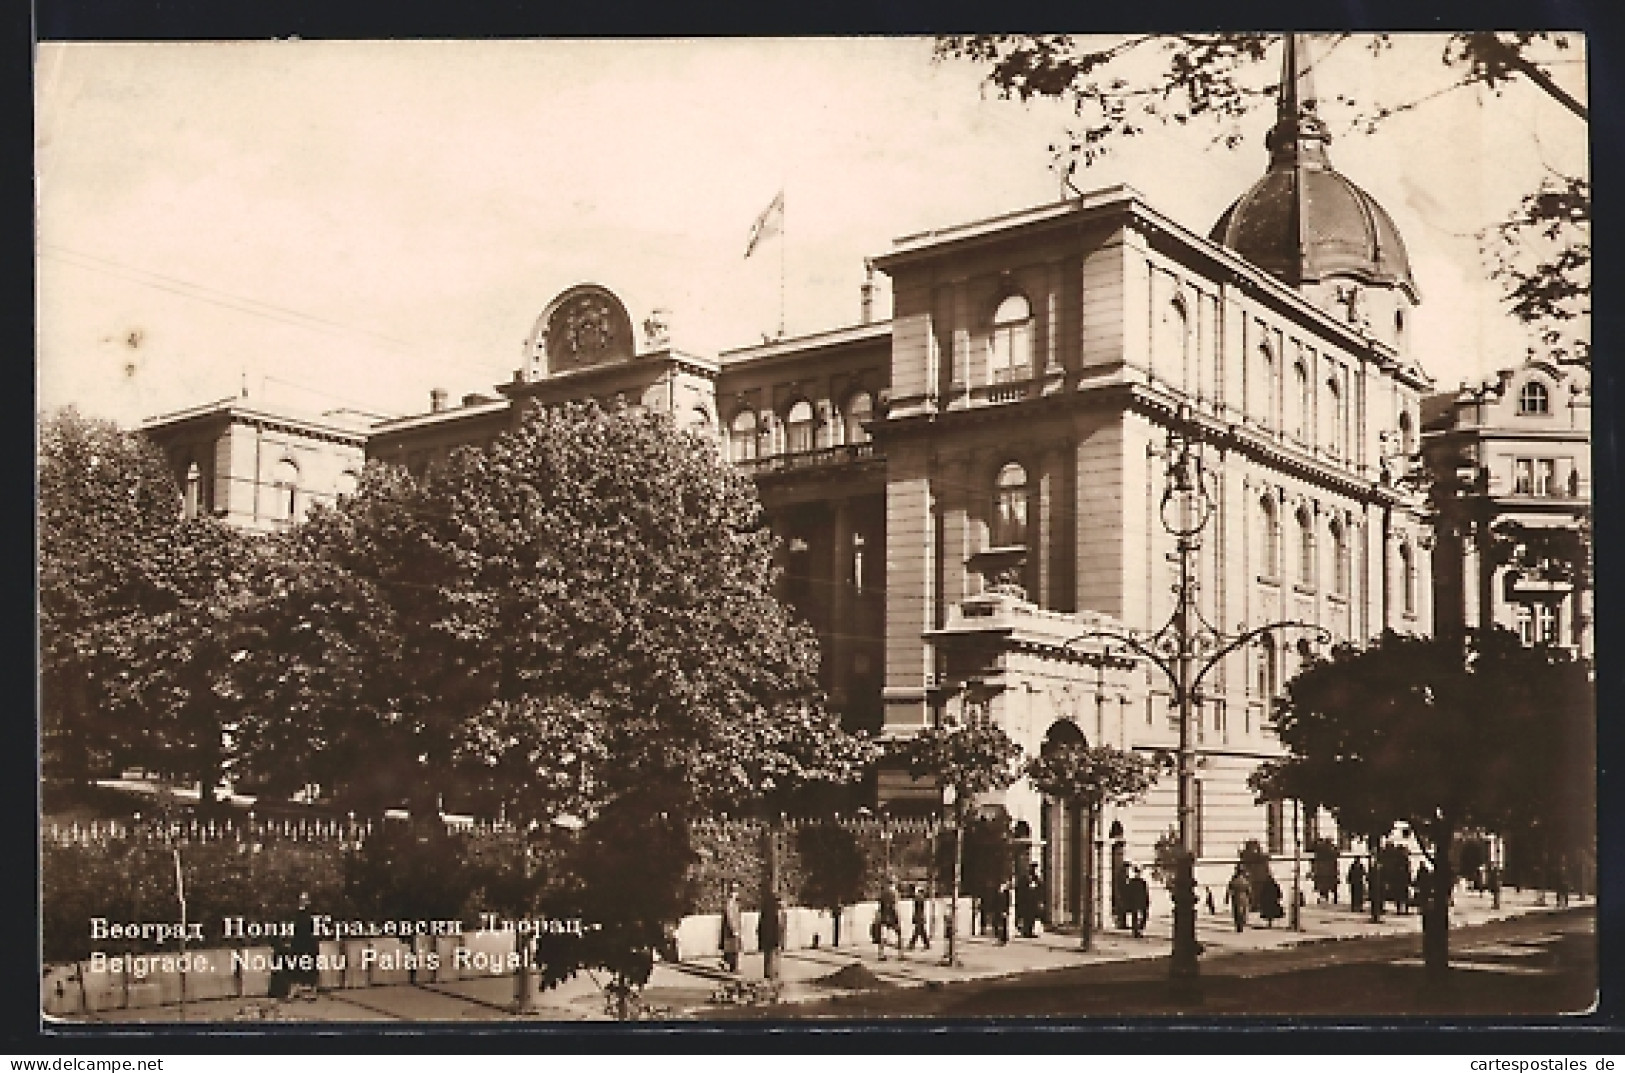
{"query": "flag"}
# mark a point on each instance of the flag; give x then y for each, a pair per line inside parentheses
(768, 224)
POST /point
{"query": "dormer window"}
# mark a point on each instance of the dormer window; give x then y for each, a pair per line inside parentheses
(1534, 399)
(1010, 346)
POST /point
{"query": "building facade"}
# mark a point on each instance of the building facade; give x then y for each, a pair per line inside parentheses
(1516, 453)
(968, 494)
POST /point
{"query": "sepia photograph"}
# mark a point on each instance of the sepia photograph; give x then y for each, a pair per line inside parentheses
(815, 530)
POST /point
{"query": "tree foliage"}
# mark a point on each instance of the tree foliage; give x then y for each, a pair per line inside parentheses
(583, 608)
(1117, 87)
(1092, 776)
(137, 609)
(1445, 736)
(973, 757)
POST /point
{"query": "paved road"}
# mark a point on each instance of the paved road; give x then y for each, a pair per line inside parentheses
(1538, 965)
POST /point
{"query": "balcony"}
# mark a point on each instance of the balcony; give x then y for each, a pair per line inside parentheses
(823, 458)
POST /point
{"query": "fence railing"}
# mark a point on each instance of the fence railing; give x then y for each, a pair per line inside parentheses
(257, 829)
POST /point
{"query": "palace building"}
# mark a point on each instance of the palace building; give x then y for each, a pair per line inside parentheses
(969, 495)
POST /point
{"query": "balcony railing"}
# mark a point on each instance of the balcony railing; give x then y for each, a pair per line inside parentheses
(821, 458)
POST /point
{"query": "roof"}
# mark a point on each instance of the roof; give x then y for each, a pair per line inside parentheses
(1304, 222)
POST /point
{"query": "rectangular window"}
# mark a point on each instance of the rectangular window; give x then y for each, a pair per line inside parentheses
(1523, 477)
(1525, 616)
(1546, 623)
(1275, 827)
(1545, 477)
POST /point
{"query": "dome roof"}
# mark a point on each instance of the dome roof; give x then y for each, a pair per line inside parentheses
(1306, 223)
(1303, 222)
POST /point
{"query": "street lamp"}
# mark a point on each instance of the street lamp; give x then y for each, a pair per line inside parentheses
(1185, 649)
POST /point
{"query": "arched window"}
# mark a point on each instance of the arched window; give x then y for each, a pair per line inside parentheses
(1340, 559)
(1407, 434)
(1010, 347)
(1534, 399)
(1334, 417)
(798, 428)
(742, 436)
(1303, 401)
(860, 409)
(1407, 580)
(1010, 507)
(192, 502)
(1306, 549)
(285, 501)
(1271, 542)
(1270, 386)
(699, 420)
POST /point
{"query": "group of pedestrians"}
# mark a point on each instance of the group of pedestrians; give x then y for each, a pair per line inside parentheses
(1244, 893)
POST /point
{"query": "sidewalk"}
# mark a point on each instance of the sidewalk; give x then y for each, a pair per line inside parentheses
(684, 990)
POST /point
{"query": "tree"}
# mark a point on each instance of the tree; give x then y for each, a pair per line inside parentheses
(177, 656)
(1445, 736)
(583, 607)
(834, 869)
(1091, 777)
(106, 501)
(576, 623)
(1117, 86)
(968, 759)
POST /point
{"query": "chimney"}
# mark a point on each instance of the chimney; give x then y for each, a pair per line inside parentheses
(867, 292)
(437, 399)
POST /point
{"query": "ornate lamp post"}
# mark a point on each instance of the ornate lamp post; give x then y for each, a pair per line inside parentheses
(1185, 649)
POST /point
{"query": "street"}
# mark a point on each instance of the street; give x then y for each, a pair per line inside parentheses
(1527, 966)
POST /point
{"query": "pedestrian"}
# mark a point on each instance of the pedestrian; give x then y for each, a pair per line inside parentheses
(1001, 913)
(1492, 879)
(922, 931)
(732, 927)
(1137, 900)
(1401, 885)
(1423, 885)
(887, 918)
(1211, 909)
(1563, 882)
(1024, 904)
(297, 975)
(1120, 894)
(1029, 901)
(1238, 895)
(1269, 901)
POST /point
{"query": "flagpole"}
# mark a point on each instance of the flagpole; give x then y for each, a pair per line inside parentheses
(784, 240)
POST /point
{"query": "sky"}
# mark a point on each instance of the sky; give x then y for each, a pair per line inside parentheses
(351, 224)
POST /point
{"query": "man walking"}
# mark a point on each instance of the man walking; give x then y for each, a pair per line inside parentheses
(922, 932)
(1137, 902)
(1239, 893)
(1357, 885)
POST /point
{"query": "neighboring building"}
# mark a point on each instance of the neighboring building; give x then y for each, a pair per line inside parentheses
(965, 491)
(1516, 449)
(257, 466)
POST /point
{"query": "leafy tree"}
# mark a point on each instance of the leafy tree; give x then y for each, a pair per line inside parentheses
(1091, 777)
(834, 869)
(1444, 736)
(176, 657)
(106, 502)
(971, 758)
(577, 621)
(584, 607)
(1118, 86)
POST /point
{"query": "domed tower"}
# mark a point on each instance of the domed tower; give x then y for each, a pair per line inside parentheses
(1306, 224)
